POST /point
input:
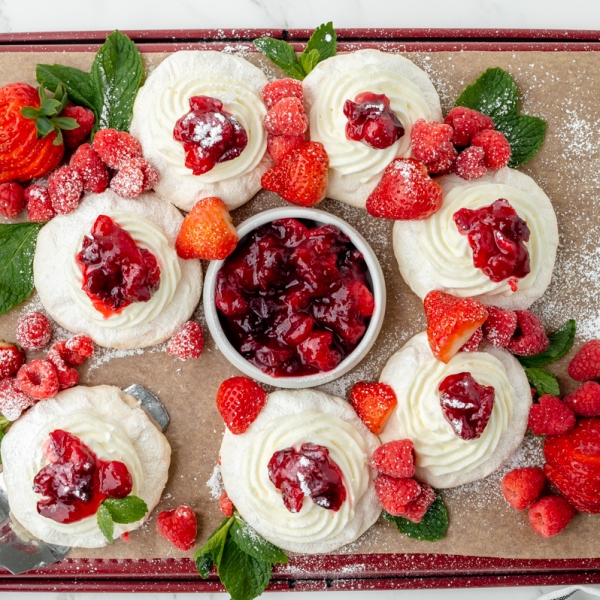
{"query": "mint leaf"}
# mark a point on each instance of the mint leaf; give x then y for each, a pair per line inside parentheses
(126, 510)
(324, 41)
(214, 546)
(282, 54)
(251, 543)
(561, 342)
(105, 523)
(543, 381)
(433, 526)
(77, 83)
(204, 563)
(308, 61)
(17, 247)
(115, 78)
(525, 135)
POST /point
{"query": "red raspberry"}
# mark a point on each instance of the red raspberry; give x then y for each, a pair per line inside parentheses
(239, 402)
(178, 527)
(93, 171)
(550, 515)
(395, 493)
(466, 122)
(116, 147)
(396, 459)
(585, 401)
(282, 88)
(77, 349)
(67, 375)
(39, 205)
(415, 511)
(13, 400)
(279, 146)
(39, 379)
(522, 487)
(431, 144)
(33, 331)
(134, 177)
(11, 359)
(586, 363)
(551, 416)
(470, 163)
(12, 200)
(496, 148)
(500, 326)
(65, 187)
(226, 505)
(472, 345)
(287, 117)
(85, 119)
(530, 337)
(187, 342)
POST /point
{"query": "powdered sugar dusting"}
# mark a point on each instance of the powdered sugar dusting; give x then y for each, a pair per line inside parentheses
(215, 483)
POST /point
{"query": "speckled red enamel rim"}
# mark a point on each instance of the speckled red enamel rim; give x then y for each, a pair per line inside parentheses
(331, 572)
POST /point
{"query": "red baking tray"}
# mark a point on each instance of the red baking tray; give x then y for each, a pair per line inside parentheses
(328, 572)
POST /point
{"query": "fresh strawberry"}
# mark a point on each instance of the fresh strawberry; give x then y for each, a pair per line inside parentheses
(585, 401)
(67, 375)
(374, 403)
(500, 326)
(405, 192)
(495, 146)
(470, 163)
(522, 487)
(116, 147)
(431, 144)
(13, 400)
(301, 177)
(286, 118)
(550, 515)
(415, 511)
(77, 349)
(466, 122)
(39, 205)
(473, 343)
(85, 119)
(279, 146)
(282, 88)
(11, 359)
(551, 416)
(12, 200)
(207, 231)
(93, 171)
(65, 187)
(239, 402)
(586, 363)
(134, 177)
(226, 505)
(530, 336)
(396, 459)
(395, 493)
(33, 331)
(38, 379)
(451, 322)
(318, 350)
(187, 342)
(178, 526)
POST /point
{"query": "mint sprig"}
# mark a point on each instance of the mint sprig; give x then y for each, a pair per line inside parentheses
(119, 510)
(561, 342)
(495, 94)
(321, 45)
(433, 526)
(542, 381)
(243, 559)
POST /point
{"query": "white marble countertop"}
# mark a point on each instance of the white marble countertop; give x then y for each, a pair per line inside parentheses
(68, 15)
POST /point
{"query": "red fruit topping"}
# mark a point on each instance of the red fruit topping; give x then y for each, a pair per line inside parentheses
(318, 351)
(394, 493)
(207, 232)
(405, 192)
(522, 487)
(226, 505)
(584, 402)
(466, 404)
(495, 146)
(470, 163)
(497, 237)
(39, 379)
(551, 416)
(187, 342)
(78, 348)
(239, 402)
(586, 363)
(12, 200)
(178, 527)
(279, 146)
(116, 271)
(85, 119)
(65, 187)
(451, 322)
(431, 144)
(13, 400)
(372, 121)
(530, 336)
(396, 459)
(33, 331)
(76, 481)
(282, 88)
(309, 471)
(67, 375)
(12, 359)
(116, 147)
(39, 205)
(301, 177)
(374, 404)
(550, 515)
(93, 171)
(500, 326)
(415, 511)
(472, 345)
(466, 122)
(286, 118)
(134, 177)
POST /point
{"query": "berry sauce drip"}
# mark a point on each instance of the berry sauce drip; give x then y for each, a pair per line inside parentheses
(209, 135)
(116, 271)
(466, 404)
(76, 481)
(294, 298)
(372, 121)
(497, 236)
(307, 472)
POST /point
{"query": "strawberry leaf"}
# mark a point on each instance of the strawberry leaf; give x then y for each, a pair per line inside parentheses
(67, 123)
(433, 526)
(29, 112)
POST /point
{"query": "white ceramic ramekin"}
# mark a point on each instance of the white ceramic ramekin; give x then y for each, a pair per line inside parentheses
(352, 359)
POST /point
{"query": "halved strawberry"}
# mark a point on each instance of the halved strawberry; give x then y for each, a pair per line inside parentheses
(239, 402)
(451, 322)
(374, 403)
(207, 232)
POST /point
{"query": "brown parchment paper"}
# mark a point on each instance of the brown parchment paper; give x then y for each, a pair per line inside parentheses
(563, 89)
